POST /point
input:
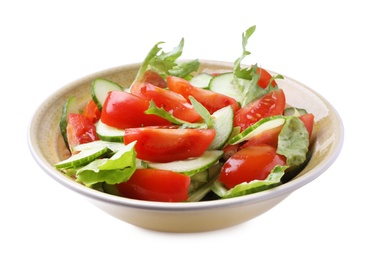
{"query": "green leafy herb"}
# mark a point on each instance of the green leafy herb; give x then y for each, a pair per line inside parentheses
(293, 141)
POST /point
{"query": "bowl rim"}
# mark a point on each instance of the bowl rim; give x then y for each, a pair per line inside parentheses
(280, 190)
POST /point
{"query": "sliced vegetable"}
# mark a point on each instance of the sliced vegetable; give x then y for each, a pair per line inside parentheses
(70, 106)
(189, 166)
(223, 125)
(122, 110)
(250, 163)
(260, 126)
(271, 104)
(156, 185)
(201, 80)
(109, 133)
(100, 88)
(212, 101)
(169, 144)
(80, 130)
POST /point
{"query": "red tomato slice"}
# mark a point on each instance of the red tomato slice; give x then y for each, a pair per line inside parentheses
(271, 104)
(172, 102)
(212, 101)
(91, 111)
(151, 77)
(123, 110)
(156, 185)
(251, 163)
(265, 78)
(168, 144)
(269, 137)
(308, 120)
(80, 130)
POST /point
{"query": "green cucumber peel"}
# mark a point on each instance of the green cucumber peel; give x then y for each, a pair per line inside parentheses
(257, 128)
(245, 188)
(116, 169)
(189, 166)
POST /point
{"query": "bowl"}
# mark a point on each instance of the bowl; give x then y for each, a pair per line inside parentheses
(46, 145)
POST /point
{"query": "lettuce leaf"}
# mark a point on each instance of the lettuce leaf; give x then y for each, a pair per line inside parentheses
(293, 141)
(116, 169)
(273, 180)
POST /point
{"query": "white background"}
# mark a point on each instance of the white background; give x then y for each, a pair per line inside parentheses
(44, 45)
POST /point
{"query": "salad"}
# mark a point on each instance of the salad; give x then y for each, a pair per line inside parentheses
(178, 135)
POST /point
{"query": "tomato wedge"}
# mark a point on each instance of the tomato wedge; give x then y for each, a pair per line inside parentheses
(156, 185)
(123, 110)
(251, 163)
(80, 130)
(269, 137)
(212, 101)
(151, 77)
(172, 102)
(265, 78)
(271, 104)
(91, 111)
(168, 144)
(308, 120)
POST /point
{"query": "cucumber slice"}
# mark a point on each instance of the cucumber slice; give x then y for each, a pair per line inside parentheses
(223, 124)
(294, 111)
(190, 166)
(257, 128)
(224, 84)
(113, 146)
(100, 88)
(82, 158)
(109, 133)
(70, 106)
(201, 80)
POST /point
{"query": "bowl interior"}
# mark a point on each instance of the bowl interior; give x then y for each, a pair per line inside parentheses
(48, 148)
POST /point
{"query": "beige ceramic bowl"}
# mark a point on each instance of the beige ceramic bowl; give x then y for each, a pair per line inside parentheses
(45, 145)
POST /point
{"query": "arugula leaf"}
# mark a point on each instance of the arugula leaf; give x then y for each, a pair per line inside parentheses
(245, 74)
(202, 111)
(155, 110)
(164, 63)
(293, 141)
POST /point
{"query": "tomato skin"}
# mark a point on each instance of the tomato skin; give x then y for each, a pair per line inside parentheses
(269, 137)
(212, 101)
(265, 78)
(271, 104)
(156, 185)
(172, 102)
(168, 144)
(123, 110)
(308, 120)
(251, 163)
(80, 130)
(91, 111)
(151, 77)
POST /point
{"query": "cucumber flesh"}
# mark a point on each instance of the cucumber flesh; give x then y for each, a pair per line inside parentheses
(100, 88)
(190, 166)
(108, 133)
(113, 146)
(82, 158)
(262, 125)
(223, 125)
(70, 106)
(201, 80)
(225, 84)
(294, 111)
